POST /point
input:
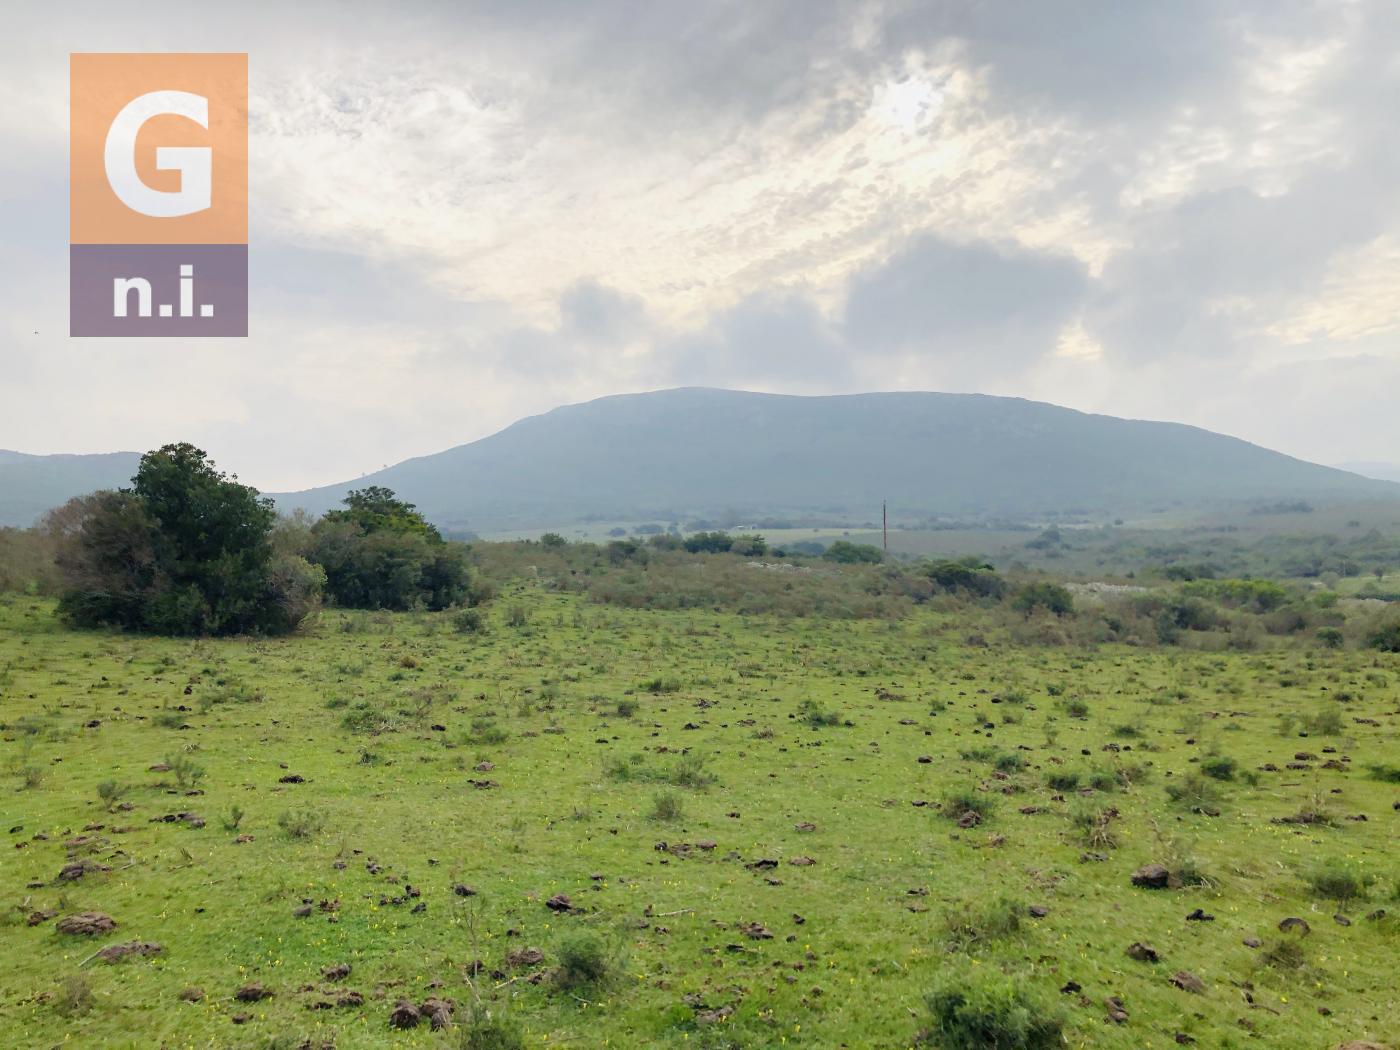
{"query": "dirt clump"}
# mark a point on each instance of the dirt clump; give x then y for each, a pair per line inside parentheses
(87, 924)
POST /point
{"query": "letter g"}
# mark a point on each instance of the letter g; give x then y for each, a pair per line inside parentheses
(194, 163)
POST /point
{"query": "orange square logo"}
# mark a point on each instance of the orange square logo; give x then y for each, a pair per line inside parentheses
(158, 149)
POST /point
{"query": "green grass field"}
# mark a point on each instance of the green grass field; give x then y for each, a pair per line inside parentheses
(380, 761)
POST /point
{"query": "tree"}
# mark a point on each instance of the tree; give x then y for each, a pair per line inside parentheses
(971, 575)
(844, 552)
(1048, 596)
(381, 553)
(187, 551)
(750, 545)
(709, 542)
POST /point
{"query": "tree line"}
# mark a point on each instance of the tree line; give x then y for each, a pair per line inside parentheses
(188, 550)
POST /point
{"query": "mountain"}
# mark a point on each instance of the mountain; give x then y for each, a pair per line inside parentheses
(31, 485)
(688, 453)
(1379, 471)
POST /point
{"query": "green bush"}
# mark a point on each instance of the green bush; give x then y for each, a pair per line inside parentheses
(1219, 767)
(301, 824)
(1051, 597)
(186, 550)
(584, 961)
(1195, 792)
(976, 1010)
(469, 621)
(975, 922)
(1338, 881)
(843, 552)
(667, 808)
(486, 1031)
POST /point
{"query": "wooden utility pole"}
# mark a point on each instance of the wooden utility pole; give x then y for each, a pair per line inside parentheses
(885, 522)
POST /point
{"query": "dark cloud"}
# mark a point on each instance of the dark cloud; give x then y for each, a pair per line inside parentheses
(943, 298)
(596, 314)
(765, 340)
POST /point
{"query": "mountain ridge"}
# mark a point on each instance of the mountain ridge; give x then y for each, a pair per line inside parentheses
(692, 452)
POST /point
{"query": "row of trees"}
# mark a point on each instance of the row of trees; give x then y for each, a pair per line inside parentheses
(188, 550)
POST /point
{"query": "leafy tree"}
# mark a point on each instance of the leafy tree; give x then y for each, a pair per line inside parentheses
(377, 509)
(970, 575)
(750, 545)
(709, 542)
(381, 553)
(1386, 637)
(1048, 596)
(844, 552)
(187, 551)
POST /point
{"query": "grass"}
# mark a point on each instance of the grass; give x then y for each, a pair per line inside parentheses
(540, 783)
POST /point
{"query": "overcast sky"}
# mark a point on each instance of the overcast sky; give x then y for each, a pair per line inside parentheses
(463, 213)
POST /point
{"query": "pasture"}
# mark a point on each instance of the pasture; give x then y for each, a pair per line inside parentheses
(632, 828)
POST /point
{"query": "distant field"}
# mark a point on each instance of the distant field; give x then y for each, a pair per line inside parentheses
(764, 822)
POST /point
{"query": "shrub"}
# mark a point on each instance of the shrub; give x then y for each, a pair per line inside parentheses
(1010, 762)
(690, 772)
(1062, 780)
(109, 791)
(1197, 793)
(74, 996)
(1051, 597)
(968, 575)
(584, 961)
(667, 808)
(1386, 638)
(364, 717)
(843, 552)
(1095, 825)
(187, 772)
(1327, 722)
(975, 922)
(815, 716)
(301, 824)
(1284, 955)
(1330, 637)
(1339, 882)
(1219, 767)
(469, 621)
(958, 803)
(626, 708)
(1389, 774)
(974, 1010)
(485, 1031)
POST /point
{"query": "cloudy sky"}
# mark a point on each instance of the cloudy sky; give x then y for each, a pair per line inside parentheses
(463, 213)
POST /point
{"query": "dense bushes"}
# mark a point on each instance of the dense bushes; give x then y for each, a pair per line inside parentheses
(967, 575)
(186, 551)
(843, 552)
(380, 553)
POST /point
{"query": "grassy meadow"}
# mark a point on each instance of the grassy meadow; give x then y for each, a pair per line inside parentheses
(766, 832)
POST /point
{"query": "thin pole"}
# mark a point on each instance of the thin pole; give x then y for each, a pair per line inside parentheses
(885, 520)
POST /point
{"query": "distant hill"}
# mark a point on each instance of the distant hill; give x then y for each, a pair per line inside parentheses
(1380, 471)
(694, 453)
(31, 485)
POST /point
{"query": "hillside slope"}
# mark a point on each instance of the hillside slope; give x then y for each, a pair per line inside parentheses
(679, 454)
(31, 485)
